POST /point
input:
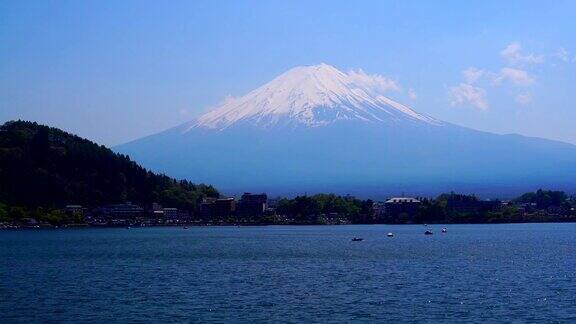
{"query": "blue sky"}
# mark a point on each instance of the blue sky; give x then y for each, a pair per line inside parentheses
(114, 71)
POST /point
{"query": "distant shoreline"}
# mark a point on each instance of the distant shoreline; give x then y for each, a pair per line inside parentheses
(87, 226)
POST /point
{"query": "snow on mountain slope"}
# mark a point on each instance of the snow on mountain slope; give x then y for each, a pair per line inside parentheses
(311, 96)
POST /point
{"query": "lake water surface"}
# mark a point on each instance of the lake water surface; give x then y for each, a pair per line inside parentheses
(495, 273)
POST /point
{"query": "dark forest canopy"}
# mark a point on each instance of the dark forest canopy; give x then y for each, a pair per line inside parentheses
(41, 166)
(543, 198)
(306, 209)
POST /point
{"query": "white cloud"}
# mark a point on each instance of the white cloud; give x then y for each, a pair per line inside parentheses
(466, 94)
(471, 91)
(562, 54)
(472, 74)
(513, 54)
(228, 99)
(523, 98)
(412, 94)
(516, 76)
(376, 82)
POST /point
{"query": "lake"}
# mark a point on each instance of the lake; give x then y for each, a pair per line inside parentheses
(495, 273)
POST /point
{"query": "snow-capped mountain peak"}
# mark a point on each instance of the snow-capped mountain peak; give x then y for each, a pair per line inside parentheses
(312, 96)
(315, 127)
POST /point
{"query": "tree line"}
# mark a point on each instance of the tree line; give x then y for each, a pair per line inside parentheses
(447, 208)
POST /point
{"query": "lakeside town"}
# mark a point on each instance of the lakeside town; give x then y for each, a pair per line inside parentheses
(54, 179)
(259, 209)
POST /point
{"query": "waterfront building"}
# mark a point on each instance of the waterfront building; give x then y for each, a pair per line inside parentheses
(119, 214)
(206, 207)
(252, 204)
(224, 207)
(170, 213)
(401, 205)
(217, 209)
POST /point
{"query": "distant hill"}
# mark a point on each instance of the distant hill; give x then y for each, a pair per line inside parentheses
(42, 166)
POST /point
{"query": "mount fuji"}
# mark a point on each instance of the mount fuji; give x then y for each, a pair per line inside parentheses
(315, 128)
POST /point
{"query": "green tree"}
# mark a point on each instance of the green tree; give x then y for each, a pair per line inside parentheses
(544, 198)
(17, 213)
(4, 213)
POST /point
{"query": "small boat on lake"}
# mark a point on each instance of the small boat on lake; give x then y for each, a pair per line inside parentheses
(428, 232)
(357, 239)
(390, 234)
(444, 230)
(185, 227)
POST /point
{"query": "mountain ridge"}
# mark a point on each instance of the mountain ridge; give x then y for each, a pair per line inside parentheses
(267, 147)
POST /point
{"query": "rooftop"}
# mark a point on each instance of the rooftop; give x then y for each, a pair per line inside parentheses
(402, 200)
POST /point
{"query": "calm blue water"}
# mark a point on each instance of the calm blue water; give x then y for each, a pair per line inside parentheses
(524, 272)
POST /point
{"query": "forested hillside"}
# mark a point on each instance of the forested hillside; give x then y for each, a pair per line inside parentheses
(41, 166)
